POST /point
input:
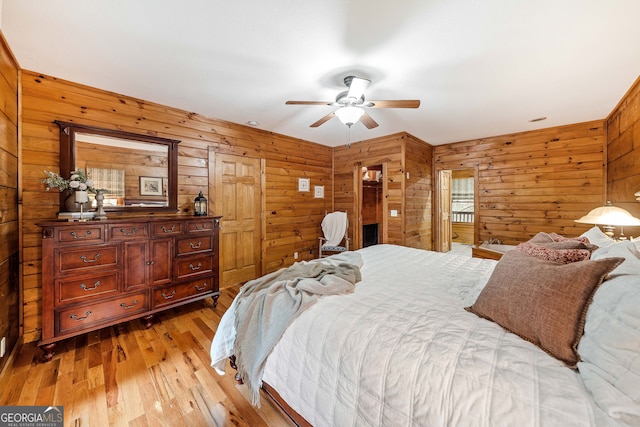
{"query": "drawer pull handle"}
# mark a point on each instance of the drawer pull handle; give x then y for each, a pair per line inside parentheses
(79, 319)
(201, 227)
(168, 230)
(150, 262)
(204, 286)
(84, 258)
(195, 267)
(127, 307)
(124, 232)
(195, 246)
(95, 286)
(169, 296)
(86, 234)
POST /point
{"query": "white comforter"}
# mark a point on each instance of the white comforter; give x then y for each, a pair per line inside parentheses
(402, 351)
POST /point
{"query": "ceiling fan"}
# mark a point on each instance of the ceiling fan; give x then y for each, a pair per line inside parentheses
(352, 103)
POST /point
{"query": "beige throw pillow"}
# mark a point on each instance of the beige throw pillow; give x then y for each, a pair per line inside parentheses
(542, 301)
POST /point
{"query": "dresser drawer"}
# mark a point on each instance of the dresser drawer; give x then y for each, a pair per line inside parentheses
(203, 226)
(88, 315)
(172, 294)
(89, 286)
(169, 228)
(87, 258)
(131, 231)
(193, 266)
(76, 235)
(194, 245)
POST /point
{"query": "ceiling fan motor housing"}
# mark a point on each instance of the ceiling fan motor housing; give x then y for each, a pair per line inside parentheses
(343, 99)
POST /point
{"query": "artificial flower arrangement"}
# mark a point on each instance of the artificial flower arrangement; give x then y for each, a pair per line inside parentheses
(78, 181)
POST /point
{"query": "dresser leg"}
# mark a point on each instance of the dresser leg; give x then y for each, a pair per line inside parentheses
(48, 351)
(215, 300)
(148, 321)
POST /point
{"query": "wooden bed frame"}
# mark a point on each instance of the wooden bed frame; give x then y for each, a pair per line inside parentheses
(275, 397)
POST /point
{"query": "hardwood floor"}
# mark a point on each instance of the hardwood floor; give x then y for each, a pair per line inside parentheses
(128, 375)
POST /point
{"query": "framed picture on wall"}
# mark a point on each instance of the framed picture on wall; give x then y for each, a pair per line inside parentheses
(303, 184)
(150, 186)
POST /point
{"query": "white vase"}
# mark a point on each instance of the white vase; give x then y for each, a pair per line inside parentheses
(81, 196)
(71, 202)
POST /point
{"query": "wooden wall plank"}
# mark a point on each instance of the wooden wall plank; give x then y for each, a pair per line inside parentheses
(623, 154)
(10, 299)
(533, 181)
(411, 198)
(292, 218)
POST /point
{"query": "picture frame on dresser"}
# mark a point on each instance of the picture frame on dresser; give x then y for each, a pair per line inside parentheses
(97, 274)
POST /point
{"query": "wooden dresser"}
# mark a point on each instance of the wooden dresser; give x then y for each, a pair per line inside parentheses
(100, 273)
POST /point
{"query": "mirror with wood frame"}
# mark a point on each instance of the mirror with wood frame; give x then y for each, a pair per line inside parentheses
(138, 172)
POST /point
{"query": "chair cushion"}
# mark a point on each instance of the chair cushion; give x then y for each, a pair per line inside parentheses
(334, 248)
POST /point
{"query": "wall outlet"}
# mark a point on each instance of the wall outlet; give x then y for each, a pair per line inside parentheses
(295, 255)
(3, 344)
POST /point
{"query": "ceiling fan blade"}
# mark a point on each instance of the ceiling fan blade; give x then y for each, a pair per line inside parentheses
(357, 88)
(323, 120)
(368, 121)
(309, 102)
(407, 103)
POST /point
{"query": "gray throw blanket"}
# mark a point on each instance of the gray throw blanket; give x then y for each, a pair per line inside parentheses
(267, 305)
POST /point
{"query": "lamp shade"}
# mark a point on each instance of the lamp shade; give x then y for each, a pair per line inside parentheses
(349, 115)
(609, 215)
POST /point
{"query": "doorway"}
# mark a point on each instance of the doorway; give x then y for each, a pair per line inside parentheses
(238, 195)
(457, 208)
(371, 204)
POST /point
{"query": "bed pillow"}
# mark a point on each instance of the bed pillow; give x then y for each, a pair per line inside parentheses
(543, 237)
(597, 237)
(563, 252)
(625, 249)
(542, 301)
(609, 349)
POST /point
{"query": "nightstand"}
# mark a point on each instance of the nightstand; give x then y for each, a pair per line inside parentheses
(489, 251)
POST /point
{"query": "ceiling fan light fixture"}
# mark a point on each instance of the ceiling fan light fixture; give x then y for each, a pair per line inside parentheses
(349, 115)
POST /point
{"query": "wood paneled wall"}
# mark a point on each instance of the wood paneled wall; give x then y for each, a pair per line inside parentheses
(9, 215)
(411, 198)
(533, 181)
(418, 193)
(623, 154)
(291, 218)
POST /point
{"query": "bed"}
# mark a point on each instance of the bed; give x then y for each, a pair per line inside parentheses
(402, 350)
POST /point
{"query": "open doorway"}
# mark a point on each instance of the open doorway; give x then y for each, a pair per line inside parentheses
(457, 210)
(371, 206)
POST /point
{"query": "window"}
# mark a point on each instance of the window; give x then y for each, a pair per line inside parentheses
(112, 180)
(462, 208)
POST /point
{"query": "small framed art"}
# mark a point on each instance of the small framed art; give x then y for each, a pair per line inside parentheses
(150, 186)
(303, 184)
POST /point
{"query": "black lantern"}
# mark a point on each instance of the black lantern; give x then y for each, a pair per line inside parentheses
(200, 205)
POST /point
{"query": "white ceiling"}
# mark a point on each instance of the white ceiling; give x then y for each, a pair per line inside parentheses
(480, 68)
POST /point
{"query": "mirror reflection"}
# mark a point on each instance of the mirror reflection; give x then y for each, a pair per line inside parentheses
(137, 172)
(133, 173)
